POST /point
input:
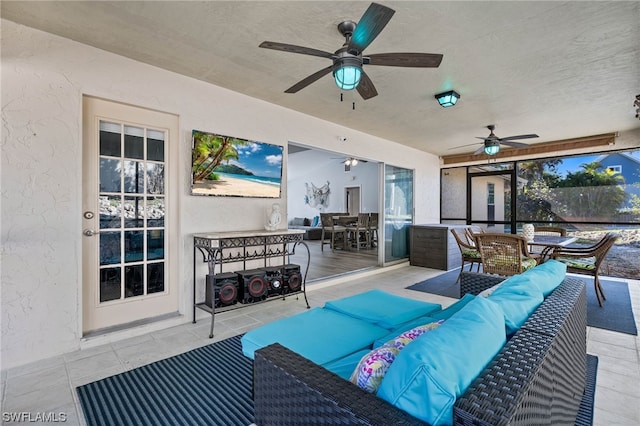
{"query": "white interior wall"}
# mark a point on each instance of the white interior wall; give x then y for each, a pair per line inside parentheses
(318, 167)
(43, 80)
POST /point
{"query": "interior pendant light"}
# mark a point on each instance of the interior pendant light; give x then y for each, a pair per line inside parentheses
(448, 99)
(491, 147)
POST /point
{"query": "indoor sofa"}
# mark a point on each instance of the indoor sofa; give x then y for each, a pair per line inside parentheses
(537, 376)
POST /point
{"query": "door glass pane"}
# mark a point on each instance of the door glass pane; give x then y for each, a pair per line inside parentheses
(110, 208)
(133, 142)
(155, 145)
(134, 177)
(155, 277)
(134, 280)
(133, 246)
(110, 139)
(133, 212)
(398, 204)
(109, 284)
(109, 248)
(109, 175)
(155, 178)
(155, 212)
(155, 244)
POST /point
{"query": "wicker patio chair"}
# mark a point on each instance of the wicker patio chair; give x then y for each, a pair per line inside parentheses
(587, 260)
(468, 251)
(550, 230)
(504, 254)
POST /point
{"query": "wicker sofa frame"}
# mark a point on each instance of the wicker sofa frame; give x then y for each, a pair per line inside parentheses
(538, 377)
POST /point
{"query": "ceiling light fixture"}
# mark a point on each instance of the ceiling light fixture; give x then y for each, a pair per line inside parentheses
(448, 99)
(491, 147)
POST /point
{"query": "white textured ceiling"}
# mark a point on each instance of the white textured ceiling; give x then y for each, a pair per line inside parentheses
(558, 69)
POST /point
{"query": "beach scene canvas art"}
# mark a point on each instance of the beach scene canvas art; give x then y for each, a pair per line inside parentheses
(230, 166)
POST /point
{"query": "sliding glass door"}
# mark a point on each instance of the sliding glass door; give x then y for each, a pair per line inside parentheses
(398, 209)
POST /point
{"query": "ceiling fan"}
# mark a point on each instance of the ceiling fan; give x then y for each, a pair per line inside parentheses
(350, 161)
(348, 60)
(491, 145)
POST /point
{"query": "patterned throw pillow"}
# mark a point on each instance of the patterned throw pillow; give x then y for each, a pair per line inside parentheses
(371, 369)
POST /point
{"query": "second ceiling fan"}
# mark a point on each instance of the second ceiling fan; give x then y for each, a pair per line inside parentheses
(348, 61)
(491, 145)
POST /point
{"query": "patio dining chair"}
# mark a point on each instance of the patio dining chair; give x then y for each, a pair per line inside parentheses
(587, 260)
(550, 230)
(468, 251)
(504, 254)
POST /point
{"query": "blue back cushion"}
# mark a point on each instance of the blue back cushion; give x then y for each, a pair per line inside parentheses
(432, 317)
(546, 276)
(320, 335)
(382, 308)
(518, 297)
(436, 368)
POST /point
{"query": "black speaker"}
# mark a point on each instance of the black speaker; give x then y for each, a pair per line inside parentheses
(275, 282)
(292, 278)
(253, 285)
(221, 289)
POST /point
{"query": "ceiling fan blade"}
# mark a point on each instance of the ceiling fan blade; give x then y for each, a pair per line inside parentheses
(420, 60)
(514, 144)
(485, 139)
(375, 18)
(366, 88)
(311, 79)
(479, 150)
(295, 49)
(519, 137)
(464, 146)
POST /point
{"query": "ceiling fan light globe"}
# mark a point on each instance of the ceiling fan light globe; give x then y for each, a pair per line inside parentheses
(491, 148)
(347, 77)
(354, 162)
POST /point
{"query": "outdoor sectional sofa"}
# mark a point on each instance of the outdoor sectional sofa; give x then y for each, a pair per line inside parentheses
(536, 377)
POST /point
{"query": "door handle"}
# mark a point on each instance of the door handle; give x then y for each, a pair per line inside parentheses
(90, 232)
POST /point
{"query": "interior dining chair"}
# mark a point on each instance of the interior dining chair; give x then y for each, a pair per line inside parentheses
(504, 254)
(373, 229)
(335, 233)
(358, 233)
(587, 260)
(468, 251)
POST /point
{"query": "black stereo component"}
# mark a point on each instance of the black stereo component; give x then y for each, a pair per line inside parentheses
(253, 285)
(221, 290)
(275, 282)
(292, 278)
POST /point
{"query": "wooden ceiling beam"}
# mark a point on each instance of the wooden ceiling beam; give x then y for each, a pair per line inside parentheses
(535, 149)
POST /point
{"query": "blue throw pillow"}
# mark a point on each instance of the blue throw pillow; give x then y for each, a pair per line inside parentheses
(316, 221)
(430, 373)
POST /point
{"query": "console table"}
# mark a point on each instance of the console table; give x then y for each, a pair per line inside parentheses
(220, 248)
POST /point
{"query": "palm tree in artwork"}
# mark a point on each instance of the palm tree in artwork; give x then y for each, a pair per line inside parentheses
(210, 151)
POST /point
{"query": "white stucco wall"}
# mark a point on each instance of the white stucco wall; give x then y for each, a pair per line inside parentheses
(43, 80)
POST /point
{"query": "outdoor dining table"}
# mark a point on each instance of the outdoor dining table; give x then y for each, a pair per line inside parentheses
(550, 242)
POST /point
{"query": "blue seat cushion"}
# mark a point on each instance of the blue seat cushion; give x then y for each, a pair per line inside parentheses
(382, 308)
(432, 317)
(321, 335)
(436, 368)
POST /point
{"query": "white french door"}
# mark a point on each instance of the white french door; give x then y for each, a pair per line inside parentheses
(128, 252)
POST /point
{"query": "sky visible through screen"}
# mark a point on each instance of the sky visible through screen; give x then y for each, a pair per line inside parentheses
(573, 164)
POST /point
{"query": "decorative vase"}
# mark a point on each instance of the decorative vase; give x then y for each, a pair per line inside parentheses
(528, 231)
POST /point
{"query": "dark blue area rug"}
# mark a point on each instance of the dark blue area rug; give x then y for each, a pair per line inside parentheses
(209, 386)
(615, 314)
(206, 386)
